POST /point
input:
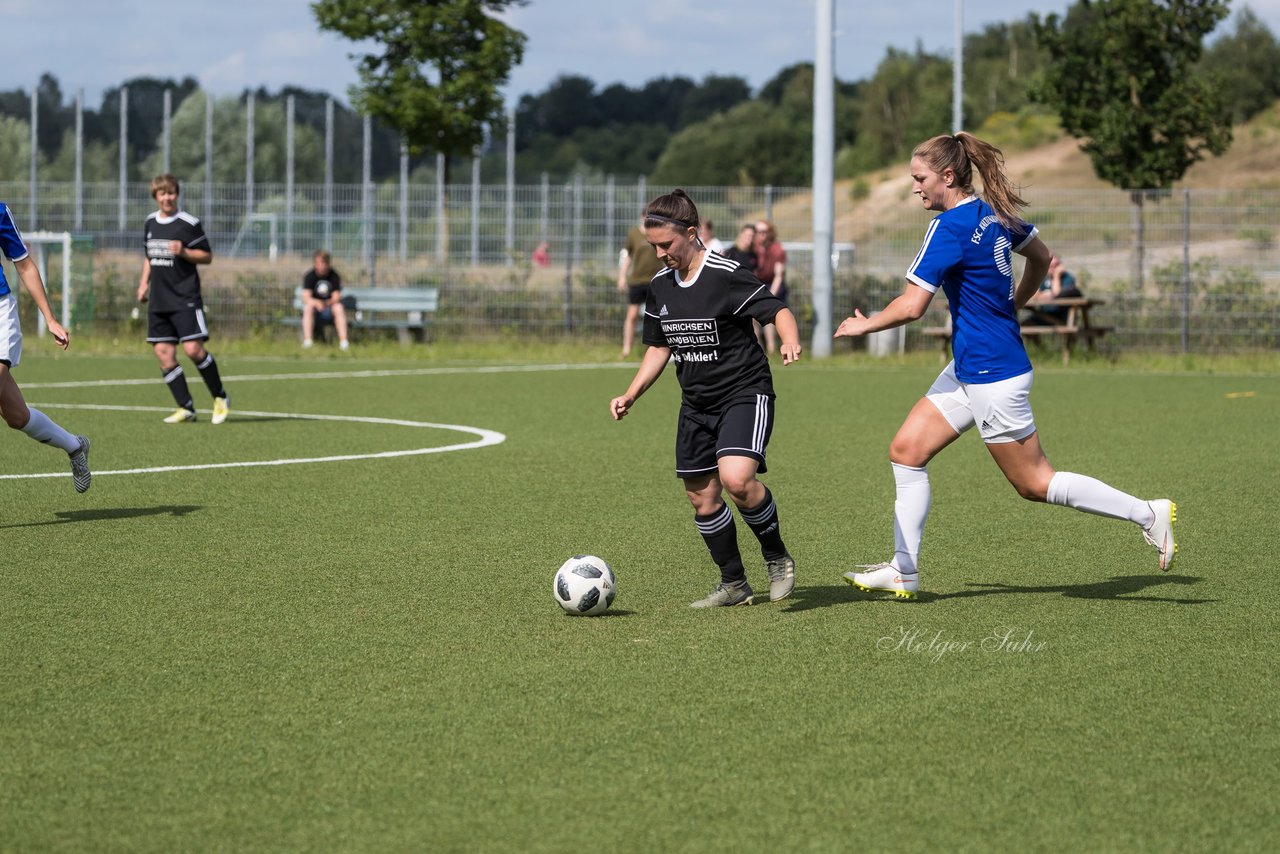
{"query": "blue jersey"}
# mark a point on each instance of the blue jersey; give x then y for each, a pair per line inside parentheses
(969, 254)
(10, 243)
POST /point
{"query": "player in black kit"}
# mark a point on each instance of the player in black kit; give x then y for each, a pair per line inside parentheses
(175, 243)
(699, 315)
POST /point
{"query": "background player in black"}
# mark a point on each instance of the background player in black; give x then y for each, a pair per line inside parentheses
(699, 314)
(322, 299)
(743, 248)
(175, 243)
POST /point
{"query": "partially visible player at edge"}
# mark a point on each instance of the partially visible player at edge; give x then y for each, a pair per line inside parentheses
(175, 244)
(698, 313)
(13, 407)
(967, 252)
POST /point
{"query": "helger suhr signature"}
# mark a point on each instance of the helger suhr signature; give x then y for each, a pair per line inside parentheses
(936, 645)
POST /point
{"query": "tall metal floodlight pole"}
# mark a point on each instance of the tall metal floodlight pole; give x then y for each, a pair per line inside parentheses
(79, 176)
(124, 157)
(328, 173)
(511, 186)
(208, 160)
(404, 201)
(248, 157)
(32, 206)
(288, 173)
(442, 226)
(824, 140)
(166, 130)
(475, 207)
(957, 77)
(366, 187)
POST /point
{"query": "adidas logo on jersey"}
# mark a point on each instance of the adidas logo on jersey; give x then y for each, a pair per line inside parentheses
(664, 312)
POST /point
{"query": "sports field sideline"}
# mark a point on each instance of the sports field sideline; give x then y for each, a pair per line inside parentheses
(328, 624)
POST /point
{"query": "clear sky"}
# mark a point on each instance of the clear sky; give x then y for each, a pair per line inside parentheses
(230, 45)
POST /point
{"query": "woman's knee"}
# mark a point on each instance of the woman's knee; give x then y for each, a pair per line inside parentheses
(907, 451)
(1035, 488)
(742, 488)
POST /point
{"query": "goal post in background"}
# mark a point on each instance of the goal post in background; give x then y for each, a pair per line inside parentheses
(71, 289)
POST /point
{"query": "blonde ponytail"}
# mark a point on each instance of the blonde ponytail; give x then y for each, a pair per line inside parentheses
(962, 154)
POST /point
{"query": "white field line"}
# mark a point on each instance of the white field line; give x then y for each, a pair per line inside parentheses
(486, 438)
(347, 375)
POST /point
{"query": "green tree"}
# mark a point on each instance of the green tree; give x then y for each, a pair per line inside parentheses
(99, 161)
(433, 69)
(907, 100)
(1246, 65)
(570, 127)
(15, 146)
(765, 141)
(146, 113)
(1121, 78)
(999, 63)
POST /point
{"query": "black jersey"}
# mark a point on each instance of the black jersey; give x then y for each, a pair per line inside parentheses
(707, 324)
(320, 288)
(175, 282)
(745, 257)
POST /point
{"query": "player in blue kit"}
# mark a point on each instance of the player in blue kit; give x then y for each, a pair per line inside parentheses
(13, 407)
(967, 252)
(175, 245)
(699, 314)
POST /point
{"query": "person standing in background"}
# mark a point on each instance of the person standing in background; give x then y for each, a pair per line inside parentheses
(771, 269)
(743, 248)
(542, 255)
(707, 234)
(175, 244)
(637, 264)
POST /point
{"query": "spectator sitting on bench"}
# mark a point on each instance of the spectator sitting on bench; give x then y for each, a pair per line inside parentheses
(1057, 284)
(322, 299)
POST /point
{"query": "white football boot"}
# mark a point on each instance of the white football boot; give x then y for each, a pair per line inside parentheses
(1160, 534)
(884, 577)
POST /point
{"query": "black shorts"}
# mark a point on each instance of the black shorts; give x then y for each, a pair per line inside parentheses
(637, 294)
(186, 324)
(740, 428)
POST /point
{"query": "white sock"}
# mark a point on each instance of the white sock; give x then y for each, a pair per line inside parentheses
(1093, 496)
(42, 428)
(910, 509)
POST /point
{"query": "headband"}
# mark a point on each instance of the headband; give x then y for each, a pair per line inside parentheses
(661, 218)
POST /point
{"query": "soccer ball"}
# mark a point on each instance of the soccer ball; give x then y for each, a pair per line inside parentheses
(585, 585)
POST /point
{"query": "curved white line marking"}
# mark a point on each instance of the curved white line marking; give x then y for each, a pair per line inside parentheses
(487, 437)
(347, 375)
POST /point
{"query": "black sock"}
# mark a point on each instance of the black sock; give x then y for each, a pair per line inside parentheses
(209, 370)
(176, 380)
(721, 536)
(763, 522)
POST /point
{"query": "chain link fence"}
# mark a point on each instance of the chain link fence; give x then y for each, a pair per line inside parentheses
(1207, 279)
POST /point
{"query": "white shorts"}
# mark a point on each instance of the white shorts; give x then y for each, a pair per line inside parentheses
(10, 330)
(1002, 410)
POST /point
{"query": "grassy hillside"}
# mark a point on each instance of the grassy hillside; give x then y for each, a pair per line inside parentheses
(1086, 218)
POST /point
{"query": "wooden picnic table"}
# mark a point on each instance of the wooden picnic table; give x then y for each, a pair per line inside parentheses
(1075, 326)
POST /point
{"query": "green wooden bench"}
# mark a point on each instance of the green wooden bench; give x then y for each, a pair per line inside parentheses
(409, 311)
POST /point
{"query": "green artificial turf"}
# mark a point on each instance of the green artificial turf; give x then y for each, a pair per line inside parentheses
(364, 655)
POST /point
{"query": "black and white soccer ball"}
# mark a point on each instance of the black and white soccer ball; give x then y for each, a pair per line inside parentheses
(585, 585)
